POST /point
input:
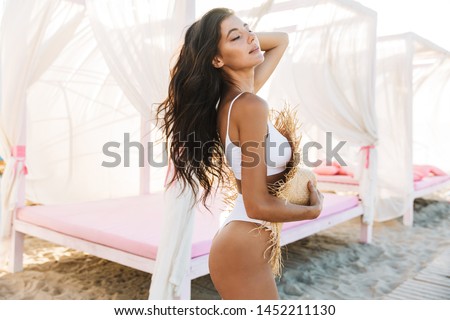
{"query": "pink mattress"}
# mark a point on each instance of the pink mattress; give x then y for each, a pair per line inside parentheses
(430, 181)
(337, 179)
(333, 204)
(418, 185)
(134, 224)
(130, 224)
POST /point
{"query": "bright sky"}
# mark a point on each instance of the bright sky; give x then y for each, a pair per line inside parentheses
(430, 19)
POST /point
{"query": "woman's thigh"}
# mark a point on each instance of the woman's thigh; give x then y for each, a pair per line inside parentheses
(239, 265)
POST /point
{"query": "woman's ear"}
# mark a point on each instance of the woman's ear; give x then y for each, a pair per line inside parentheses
(217, 62)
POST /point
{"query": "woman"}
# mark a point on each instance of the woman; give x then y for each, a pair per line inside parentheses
(212, 112)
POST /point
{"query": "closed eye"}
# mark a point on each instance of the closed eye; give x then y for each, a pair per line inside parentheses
(235, 38)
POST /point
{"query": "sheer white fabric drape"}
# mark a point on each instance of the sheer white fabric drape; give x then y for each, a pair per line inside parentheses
(328, 72)
(412, 102)
(393, 102)
(74, 110)
(431, 104)
(137, 39)
(31, 38)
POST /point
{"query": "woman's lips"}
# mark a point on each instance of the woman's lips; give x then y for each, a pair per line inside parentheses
(255, 50)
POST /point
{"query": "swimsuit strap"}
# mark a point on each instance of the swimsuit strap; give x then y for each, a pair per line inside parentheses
(229, 112)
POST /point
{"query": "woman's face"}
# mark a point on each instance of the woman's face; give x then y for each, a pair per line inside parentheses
(238, 46)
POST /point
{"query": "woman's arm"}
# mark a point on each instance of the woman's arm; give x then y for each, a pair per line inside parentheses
(259, 203)
(274, 44)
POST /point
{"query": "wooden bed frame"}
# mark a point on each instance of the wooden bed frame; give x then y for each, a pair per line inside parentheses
(408, 216)
(198, 265)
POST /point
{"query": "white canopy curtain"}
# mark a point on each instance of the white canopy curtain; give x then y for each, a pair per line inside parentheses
(328, 73)
(74, 110)
(85, 101)
(30, 39)
(76, 104)
(431, 104)
(412, 101)
(137, 39)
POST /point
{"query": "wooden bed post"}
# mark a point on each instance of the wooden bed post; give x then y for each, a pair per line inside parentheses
(15, 263)
(144, 172)
(366, 232)
(408, 216)
(185, 289)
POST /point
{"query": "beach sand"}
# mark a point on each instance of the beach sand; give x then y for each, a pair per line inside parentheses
(329, 265)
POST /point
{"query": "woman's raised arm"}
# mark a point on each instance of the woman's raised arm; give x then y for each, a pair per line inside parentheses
(274, 44)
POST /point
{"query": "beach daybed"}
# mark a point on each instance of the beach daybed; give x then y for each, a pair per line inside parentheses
(412, 94)
(422, 187)
(333, 178)
(427, 179)
(128, 230)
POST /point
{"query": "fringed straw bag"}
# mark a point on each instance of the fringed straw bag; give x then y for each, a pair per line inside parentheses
(293, 187)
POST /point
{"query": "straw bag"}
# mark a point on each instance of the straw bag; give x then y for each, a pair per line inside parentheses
(294, 188)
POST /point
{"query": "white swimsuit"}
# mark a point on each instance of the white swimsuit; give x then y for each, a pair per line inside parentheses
(278, 154)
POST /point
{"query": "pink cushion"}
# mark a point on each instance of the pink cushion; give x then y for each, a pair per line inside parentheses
(437, 172)
(334, 169)
(417, 176)
(428, 170)
(326, 170)
(336, 164)
(130, 224)
(333, 204)
(338, 179)
(345, 172)
(430, 181)
(423, 171)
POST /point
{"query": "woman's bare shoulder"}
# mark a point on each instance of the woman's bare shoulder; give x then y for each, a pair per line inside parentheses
(251, 107)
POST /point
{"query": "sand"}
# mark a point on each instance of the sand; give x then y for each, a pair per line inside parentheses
(329, 265)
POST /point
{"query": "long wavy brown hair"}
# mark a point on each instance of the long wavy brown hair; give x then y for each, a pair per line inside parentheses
(189, 112)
